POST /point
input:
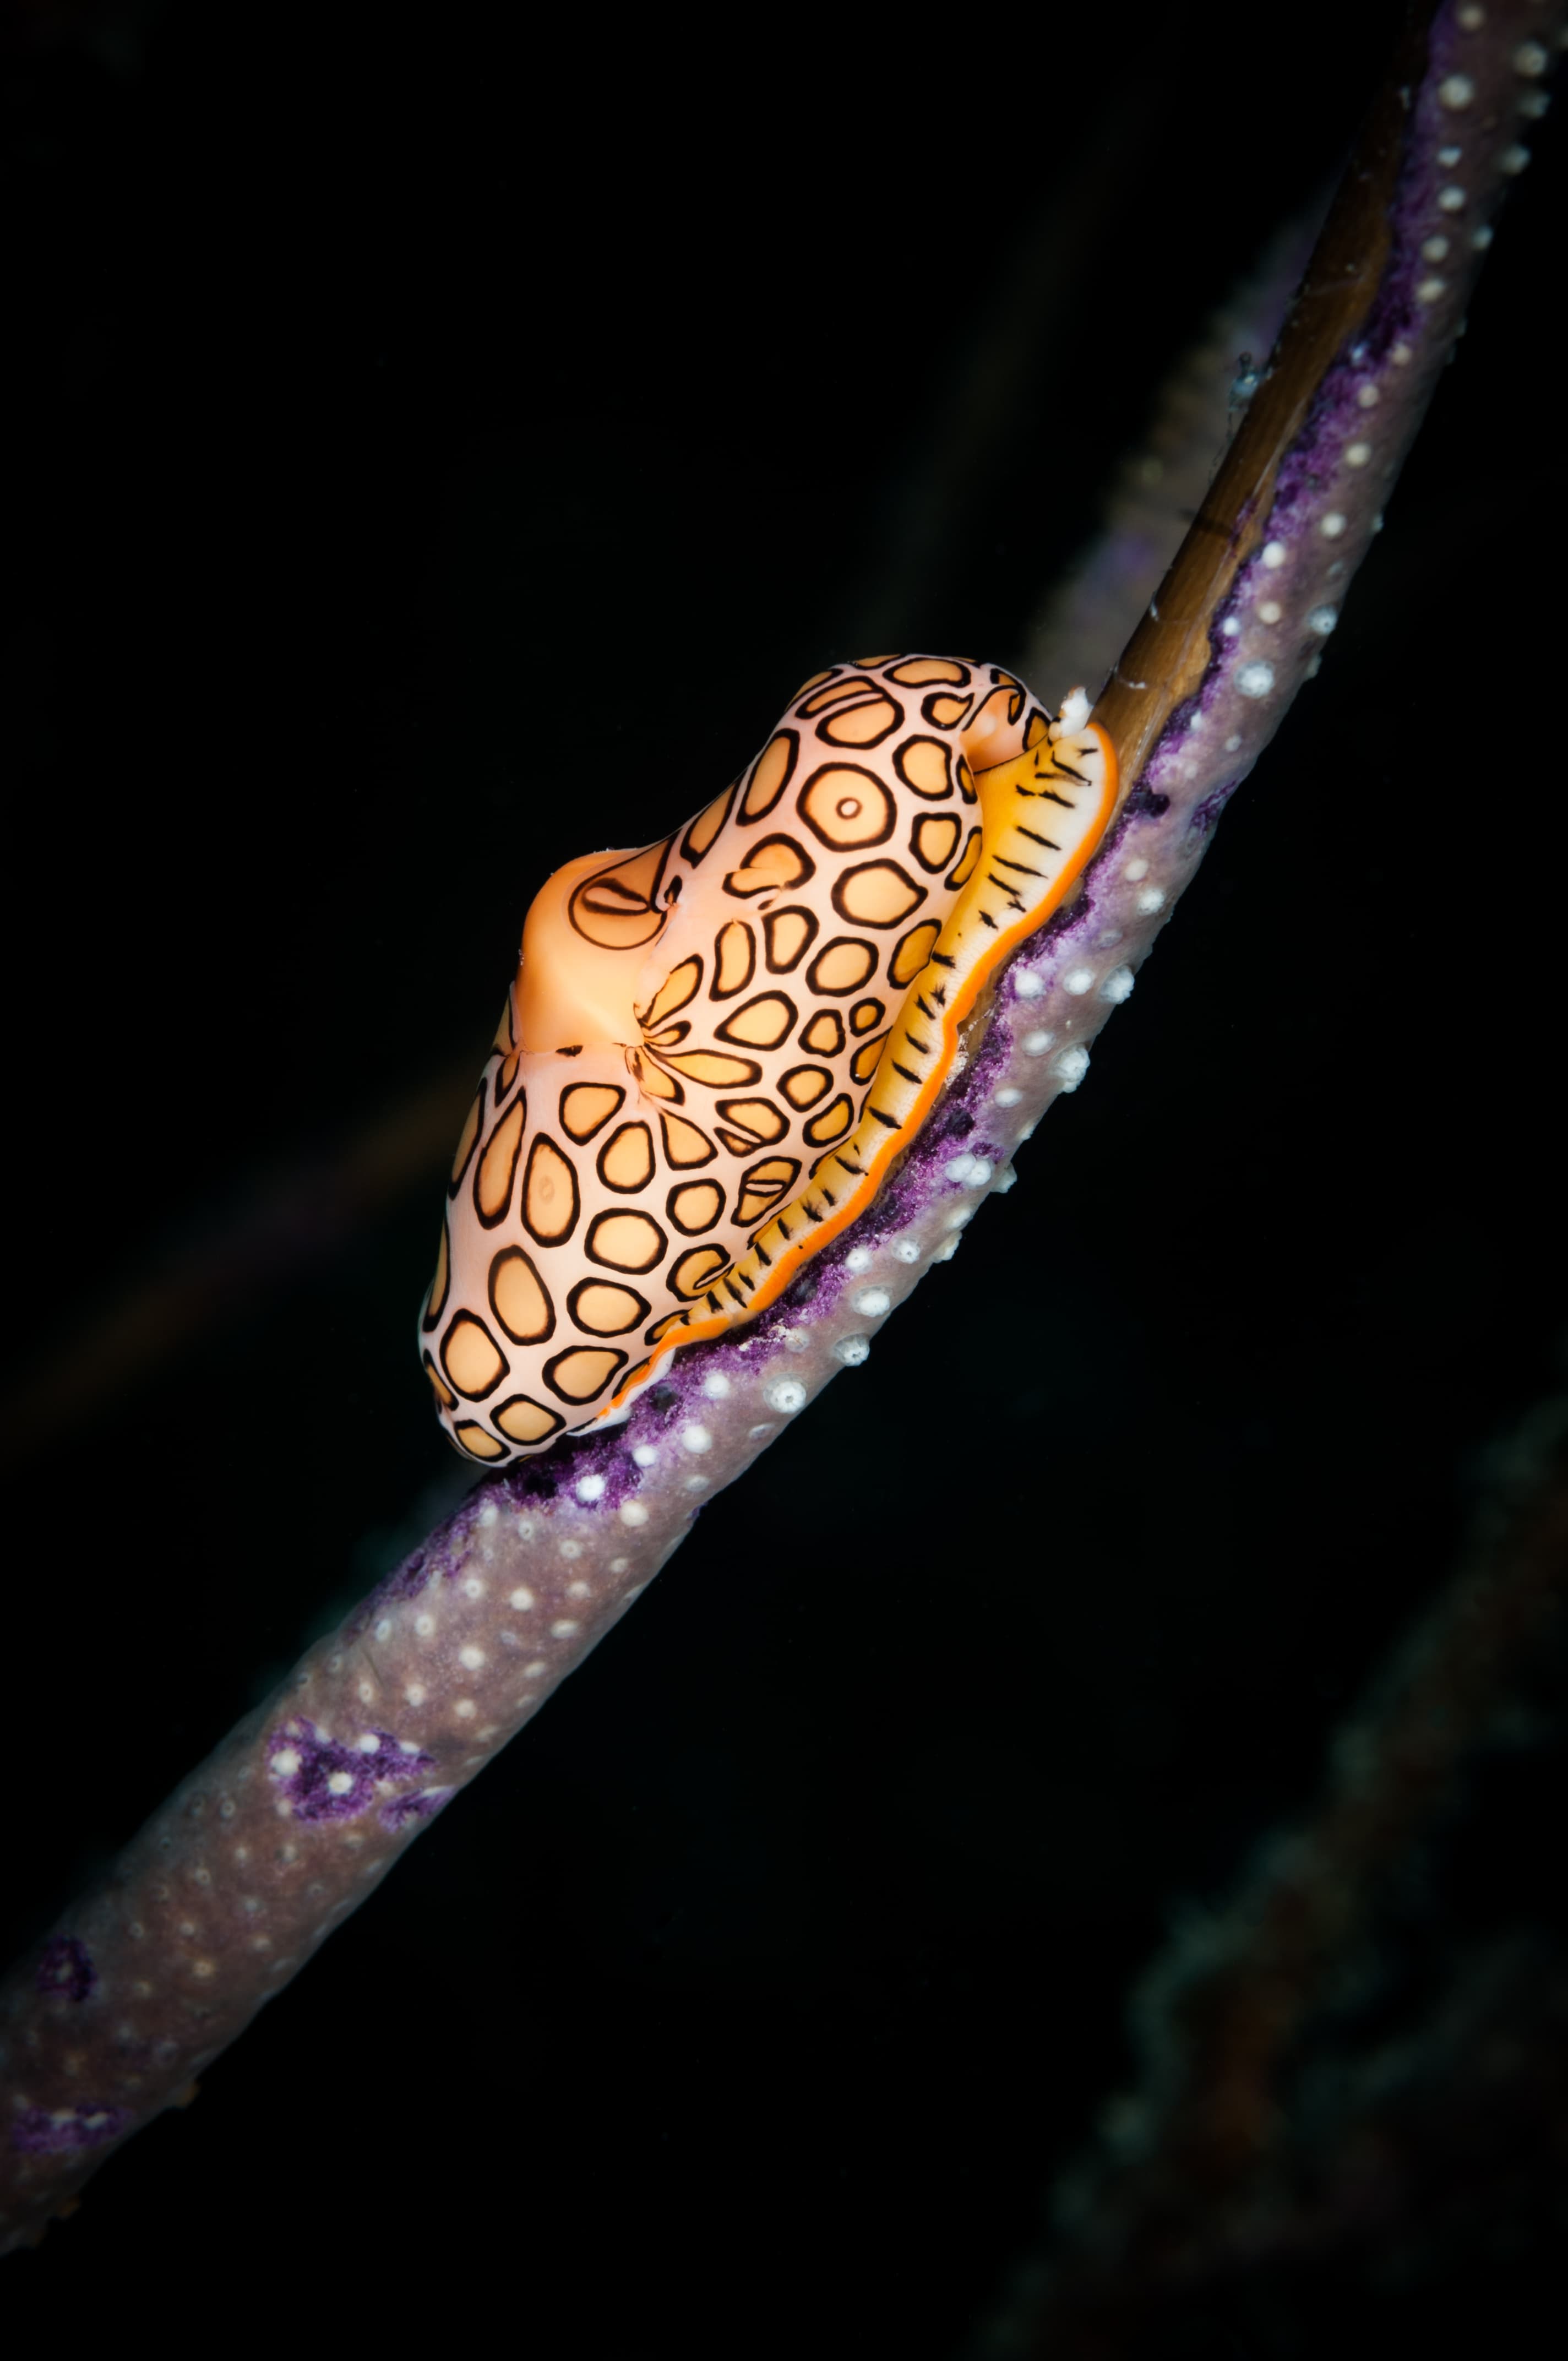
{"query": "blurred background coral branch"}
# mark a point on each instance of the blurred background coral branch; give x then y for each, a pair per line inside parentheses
(1353, 2068)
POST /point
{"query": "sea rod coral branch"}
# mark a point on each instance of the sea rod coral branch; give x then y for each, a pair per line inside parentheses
(292, 1820)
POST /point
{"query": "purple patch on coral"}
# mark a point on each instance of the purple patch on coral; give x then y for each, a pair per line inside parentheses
(67, 1968)
(441, 1557)
(396, 1815)
(330, 1781)
(51, 2131)
(602, 1451)
(1144, 803)
(406, 1581)
(1205, 815)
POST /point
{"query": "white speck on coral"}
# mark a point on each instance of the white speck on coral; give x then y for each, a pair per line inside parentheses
(464, 1708)
(633, 1513)
(339, 1783)
(1455, 92)
(1078, 981)
(384, 1628)
(1006, 1179)
(695, 1484)
(285, 1762)
(1135, 870)
(564, 1628)
(1434, 248)
(716, 1386)
(471, 1586)
(1367, 397)
(852, 1351)
(1195, 721)
(1072, 1066)
(1026, 983)
(755, 1433)
(579, 1589)
(489, 1514)
(949, 1248)
(619, 1565)
(1513, 159)
(1482, 237)
(1270, 610)
(1449, 157)
(1429, 289)
(1274, 555)
(785, 1394)
(525, 1529)
(1232, 744)
(470, 1658)
(1035, 1044)
(1332, 525)
(1255, 679)
(521, 1599)
(1534, 103)
(1358, 454)
(536, 1671)
(1230, 629)
(366, 1691)
(368, 1744)
(858, 1258)
(415, 1693)
(909, 1249)
(589, 1488)
(1451, 199)
(794, 1340)
(1400, 355)
(1118, 986)
(570, 1550)
(697, 1440)
(1472, 16)
(959, 1216)
(968, 1171)
(1531, 59)
(644, 1454)
(872, 1301)
(1323, 620)
(1151, 899)
(1008, 1096)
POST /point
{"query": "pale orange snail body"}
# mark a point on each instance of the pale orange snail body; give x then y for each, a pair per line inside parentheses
(715, 1046)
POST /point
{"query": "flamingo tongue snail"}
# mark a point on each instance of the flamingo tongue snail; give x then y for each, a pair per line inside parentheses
(717, 1044)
